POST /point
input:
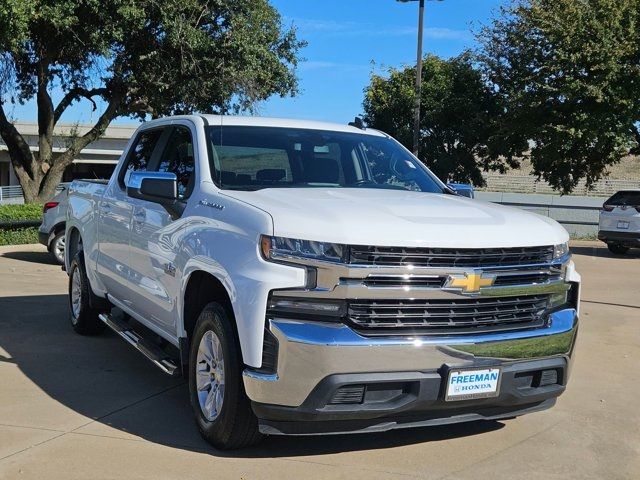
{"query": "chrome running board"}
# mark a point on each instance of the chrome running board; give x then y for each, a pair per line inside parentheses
(149, 349)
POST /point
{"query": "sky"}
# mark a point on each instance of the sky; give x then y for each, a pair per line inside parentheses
(347, 40)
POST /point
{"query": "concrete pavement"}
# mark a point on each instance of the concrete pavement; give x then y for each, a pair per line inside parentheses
(84, 408)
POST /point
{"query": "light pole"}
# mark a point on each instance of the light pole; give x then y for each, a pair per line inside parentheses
(418, 93)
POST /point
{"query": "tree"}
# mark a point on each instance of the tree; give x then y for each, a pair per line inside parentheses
(141, 58)
(461, 134)
(568, 74)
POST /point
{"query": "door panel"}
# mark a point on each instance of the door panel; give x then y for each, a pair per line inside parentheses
(155, 237)
(114, 233)
(153, 276)
(116, 212)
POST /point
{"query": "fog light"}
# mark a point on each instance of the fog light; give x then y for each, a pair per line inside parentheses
(548, 377)
(348, 395)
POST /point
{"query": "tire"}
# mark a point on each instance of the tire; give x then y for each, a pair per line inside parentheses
(56, 247)
(222, 411)
(84, 318)
(617, 248)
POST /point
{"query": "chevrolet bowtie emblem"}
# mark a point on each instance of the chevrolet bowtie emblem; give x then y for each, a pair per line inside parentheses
(471, 282)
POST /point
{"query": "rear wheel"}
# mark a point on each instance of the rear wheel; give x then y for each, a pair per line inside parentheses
(617, 248)
(56, 247)
(84, 318)
(222, 409)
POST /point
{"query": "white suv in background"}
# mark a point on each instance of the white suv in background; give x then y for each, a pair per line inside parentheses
(619, 224)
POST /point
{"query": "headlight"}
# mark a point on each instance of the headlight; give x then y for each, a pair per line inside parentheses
(560, 250)
(281, 248)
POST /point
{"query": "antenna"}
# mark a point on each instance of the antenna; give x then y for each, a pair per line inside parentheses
(358, 123)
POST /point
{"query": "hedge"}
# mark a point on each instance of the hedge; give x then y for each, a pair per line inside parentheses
(31, 211)
(18, 236)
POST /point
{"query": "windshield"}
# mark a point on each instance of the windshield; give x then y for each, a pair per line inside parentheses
(252, 158)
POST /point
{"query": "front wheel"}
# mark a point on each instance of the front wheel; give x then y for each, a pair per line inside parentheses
(617, 248)
(222, 409)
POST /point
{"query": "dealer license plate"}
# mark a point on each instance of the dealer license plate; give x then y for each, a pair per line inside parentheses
(470, 384)
(622, 225)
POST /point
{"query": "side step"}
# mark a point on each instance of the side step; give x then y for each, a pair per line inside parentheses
(149, 349)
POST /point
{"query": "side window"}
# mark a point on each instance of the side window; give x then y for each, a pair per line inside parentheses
(140, 154)
(178, 158)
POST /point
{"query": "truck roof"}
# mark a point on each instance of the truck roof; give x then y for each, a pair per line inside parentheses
(236, 120)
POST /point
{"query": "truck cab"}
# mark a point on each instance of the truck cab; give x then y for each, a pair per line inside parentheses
(314, 278)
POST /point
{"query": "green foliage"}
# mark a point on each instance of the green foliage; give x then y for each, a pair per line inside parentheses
(142, 58)
(461, 134)
(19, 236)
(163, 57)
(31, 211)
(567, 72)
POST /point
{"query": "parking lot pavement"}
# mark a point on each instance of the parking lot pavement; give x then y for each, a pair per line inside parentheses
(86, 408)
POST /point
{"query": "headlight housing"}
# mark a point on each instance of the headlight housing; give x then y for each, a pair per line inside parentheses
(281, 248)
(560, 250)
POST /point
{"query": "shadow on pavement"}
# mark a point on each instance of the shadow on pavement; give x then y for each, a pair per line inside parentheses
(32, 257)
(603, 251)
(104, 379)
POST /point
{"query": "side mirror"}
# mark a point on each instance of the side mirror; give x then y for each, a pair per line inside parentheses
(156, 187)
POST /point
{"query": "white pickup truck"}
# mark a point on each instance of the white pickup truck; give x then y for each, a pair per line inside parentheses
(312, 278)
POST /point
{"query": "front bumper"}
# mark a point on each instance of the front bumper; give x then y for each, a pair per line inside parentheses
(316, 359)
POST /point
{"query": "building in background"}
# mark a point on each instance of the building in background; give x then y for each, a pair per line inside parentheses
(97, 160)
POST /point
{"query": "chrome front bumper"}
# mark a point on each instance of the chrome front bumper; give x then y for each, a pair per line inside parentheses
(308, 352)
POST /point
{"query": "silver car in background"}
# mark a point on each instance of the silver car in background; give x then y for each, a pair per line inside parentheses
(51, 232)
(619, 225)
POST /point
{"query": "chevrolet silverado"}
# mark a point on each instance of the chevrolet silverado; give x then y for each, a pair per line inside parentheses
(314, 278)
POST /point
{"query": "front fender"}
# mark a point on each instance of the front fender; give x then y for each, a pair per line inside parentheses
(227, 248)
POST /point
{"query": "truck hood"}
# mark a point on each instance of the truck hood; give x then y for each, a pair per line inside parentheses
(360, 216)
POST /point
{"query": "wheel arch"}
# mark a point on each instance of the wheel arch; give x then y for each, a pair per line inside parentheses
(59, 227)
(73, 245)
(201, 288)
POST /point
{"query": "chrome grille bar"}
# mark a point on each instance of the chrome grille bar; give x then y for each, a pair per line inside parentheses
(447, 257)
(463, 315)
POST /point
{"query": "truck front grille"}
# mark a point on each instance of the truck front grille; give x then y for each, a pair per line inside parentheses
(448, 316)
(449, 257)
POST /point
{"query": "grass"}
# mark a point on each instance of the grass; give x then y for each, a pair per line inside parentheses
(583, 236)
(19, 236)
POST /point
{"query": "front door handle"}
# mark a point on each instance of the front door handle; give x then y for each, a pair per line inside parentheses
(139, 216)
